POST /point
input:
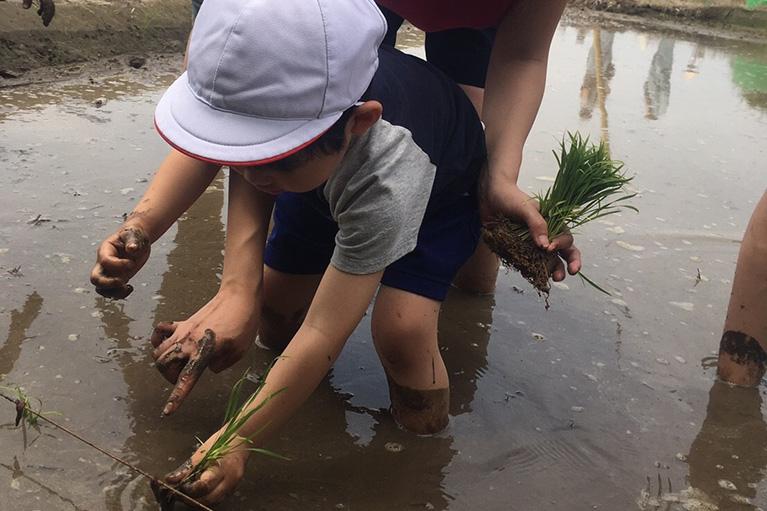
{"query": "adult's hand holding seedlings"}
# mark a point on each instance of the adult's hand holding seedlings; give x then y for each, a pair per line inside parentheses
(216, 336)
(512, 202)
(118, 259)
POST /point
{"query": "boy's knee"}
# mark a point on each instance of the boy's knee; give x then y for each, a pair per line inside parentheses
(423, 412)
(397, 338)
(277, 329)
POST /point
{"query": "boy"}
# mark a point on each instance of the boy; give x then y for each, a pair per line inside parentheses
(290, 96)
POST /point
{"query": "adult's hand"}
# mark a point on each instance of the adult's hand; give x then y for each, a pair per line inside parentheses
(216, 336)
(118, 259)
(46, 9)
(505, 198)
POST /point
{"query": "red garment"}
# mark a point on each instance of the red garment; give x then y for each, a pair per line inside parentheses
(434, 15)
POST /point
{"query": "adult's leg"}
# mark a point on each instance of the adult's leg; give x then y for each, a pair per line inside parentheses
(405, 336)
(742, 355)
(286, 300)
(297, 253)
(463, 54)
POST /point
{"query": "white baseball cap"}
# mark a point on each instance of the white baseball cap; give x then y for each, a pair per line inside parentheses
(267, 77)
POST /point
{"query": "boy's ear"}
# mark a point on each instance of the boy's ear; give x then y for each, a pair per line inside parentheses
(364, 116)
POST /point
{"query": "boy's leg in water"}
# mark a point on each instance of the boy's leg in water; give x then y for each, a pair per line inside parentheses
(742, 356)
(404, 329)
(286, 299)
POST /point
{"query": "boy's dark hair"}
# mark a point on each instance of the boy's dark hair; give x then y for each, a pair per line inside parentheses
(328, 143)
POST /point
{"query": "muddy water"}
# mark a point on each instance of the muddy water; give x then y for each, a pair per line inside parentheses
(599, 403)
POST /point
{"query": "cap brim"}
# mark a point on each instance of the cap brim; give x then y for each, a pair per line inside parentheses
(203, 132)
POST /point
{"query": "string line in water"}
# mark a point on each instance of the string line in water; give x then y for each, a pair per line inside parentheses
(109, 454)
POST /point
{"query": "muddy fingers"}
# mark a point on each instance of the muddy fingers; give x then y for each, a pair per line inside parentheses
(162, 495)
(165, 497)
(172, 362)
(191, 372)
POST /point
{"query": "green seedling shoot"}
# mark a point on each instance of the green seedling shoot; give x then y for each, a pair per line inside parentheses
(237, 414)
(235, 417)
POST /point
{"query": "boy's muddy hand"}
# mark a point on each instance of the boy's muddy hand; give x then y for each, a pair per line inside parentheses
(186, 360)
(118, 259)
(216, 336)
(214, 484)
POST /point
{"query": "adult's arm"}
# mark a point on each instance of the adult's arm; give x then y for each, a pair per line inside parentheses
(515, 84)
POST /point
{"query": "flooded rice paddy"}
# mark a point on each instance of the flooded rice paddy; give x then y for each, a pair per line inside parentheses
(601, 402)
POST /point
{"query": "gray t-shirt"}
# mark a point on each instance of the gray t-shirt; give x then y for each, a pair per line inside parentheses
(378, 197)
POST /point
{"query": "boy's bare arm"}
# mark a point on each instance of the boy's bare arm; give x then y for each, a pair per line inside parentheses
(338, 306)
(220, 333)
(177, 184)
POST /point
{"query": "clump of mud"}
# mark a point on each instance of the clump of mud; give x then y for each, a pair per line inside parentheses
(519, 252)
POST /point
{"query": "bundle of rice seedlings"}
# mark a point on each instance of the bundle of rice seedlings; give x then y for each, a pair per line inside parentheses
(588, 185)
(237, 414)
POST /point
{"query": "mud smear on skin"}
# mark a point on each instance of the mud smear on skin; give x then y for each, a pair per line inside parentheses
(744, 350)
(423, 412)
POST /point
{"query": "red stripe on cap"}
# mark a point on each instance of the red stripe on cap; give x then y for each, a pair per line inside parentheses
(254, 163)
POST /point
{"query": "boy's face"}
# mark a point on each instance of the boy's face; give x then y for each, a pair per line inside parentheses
(303, 178)
(316, 170)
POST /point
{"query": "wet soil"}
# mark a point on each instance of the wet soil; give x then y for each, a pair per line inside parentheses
(599, 403)
(731, 18)
(86, 30)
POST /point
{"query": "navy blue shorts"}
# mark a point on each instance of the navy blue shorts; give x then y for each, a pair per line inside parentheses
(303, 239)
(463, 54)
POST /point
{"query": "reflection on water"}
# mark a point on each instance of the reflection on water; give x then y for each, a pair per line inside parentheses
(729, 456)
(21, 320)
(727, 459)
(599, 71)
(465, 325)
(750, 75)
(596, 82)
(657, 88)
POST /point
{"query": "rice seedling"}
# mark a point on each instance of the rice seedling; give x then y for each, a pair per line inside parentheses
(25, 410)
(588, 185)
(236, 415)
